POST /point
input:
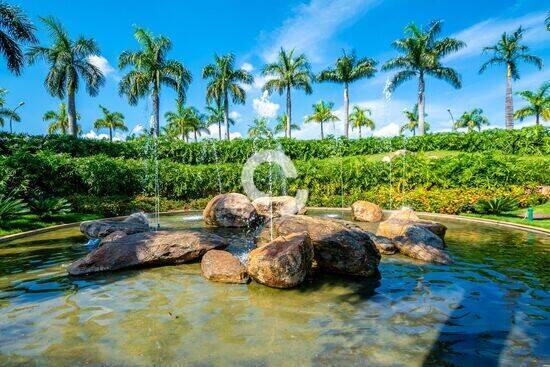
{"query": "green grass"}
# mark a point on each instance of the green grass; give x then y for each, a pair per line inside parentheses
(543, 223)
(539, 209)
(32, 221)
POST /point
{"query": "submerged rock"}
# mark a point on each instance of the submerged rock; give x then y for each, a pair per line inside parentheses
(278, 205)
(221, 266)
(339, 247)
(364, 211)
(135, 223)
(230, 210)
(284, 262)
(146, 250)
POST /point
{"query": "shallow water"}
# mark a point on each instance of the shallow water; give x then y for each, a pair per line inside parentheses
(489, 308)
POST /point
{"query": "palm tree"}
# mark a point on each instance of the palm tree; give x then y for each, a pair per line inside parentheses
(287, 73)
(183, 121)
(471, 120)
(15, 29)
(225, 81)
(282, 123)
(412, 123)
(539, 104)
(361, 118)
(259, 129)
(422, 54)
(547, 22)
(322, 113)
(215, 115)
(59, 120)
(200, 126)
(6, 112)
(111, 120)
(509, 52)
(150, 71)
(347, 70)
(68, 61)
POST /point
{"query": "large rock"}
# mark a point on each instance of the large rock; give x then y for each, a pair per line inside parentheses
(421, 244)
(230, 210)
(135, 223)
(284, 262)
(276, 205)
(221, 266)
(384, 245)
(364, 211)
(146, 250)
(398, 222)
(339, 247)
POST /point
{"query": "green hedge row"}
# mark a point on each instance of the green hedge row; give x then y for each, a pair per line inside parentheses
(532, 141)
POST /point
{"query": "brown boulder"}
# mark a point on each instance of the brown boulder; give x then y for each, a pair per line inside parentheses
(146, 250)
(284, 262)
(135, 223)
(398, 222)
(384, 245)
(221, 266)
(339, 247)
(364, 211)
(421, 244)
(230, 210)
(113, 237)
(278, 205)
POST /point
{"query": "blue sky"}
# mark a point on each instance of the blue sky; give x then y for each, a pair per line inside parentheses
(255, 30)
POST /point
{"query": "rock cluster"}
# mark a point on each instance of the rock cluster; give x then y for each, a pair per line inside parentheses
(135, 223)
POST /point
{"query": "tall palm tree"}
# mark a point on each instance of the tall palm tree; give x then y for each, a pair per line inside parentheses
(215, 115)
(412, 121)
(150, 71)
(288, 72)
(200, 127)
(322, 113)
(282, 123)
(259, 129)
(471, 120)
(6, 112)
(422, 54)
(110, 120)
(360, 117)
(15, 29)
(509, 52)
(539, 104)
(183, 121)
(59, 120)
(224, 81)
(68, 60)
(347, 70)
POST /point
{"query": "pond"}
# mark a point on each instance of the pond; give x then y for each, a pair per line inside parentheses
(491, 307)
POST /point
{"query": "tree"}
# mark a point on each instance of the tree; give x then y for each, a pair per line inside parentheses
(200, 127)
(69, 60)
(150, 71)
(215, 115)
(422, 54)
(539, 104)
(224, 81)
(183, 121)
(6, 112)
(110, 120)
(15, 29)
(260, 129)
(509, 52)
(59, 120)
(322, 113)
(412, 123)
(287, 73)
(282, 123)
(471, 120)
(361, 118)
(347, 70)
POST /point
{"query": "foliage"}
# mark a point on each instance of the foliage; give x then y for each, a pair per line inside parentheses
(259, 129)
(59, 120)
(360, 117)
(47, 207)
(15, 29)
(412, 121)
(184, 121)
(496, 205)
(6, 113)
(539, 104)
(11, 207)
(110, 120)
(282, 124)
(471, 120)
(322, 113)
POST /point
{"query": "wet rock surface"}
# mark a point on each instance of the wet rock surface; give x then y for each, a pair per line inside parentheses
(135, 223)
(384, 245)
(398, 222)
(221, 266)
(230, 210)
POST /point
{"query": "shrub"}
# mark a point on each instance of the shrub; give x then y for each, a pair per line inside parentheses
(496, 205)
(47, 208)
(11, 207)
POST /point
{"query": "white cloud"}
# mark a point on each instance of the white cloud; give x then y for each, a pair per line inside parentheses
(313, 25)
(487, 32)
(391, 129)
(264, 107)
(102, 64)
(137, 130)
(247, 67)
(259, 81)
(235, 116)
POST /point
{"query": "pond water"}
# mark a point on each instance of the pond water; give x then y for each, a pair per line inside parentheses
(491, 307)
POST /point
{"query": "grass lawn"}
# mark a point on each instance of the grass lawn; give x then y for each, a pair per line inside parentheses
(539, 209)
(30, 221)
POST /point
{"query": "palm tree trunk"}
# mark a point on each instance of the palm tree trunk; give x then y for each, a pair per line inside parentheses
(359, 131)
(156, 113)
(322, 134)
(421, 87)
(537, 118)
(111, 135)
(414, 131)
(71, 111)
(288, 113)
(509, 104)
(195, 133)
(346, 110)
(226, 114)
(220, 129)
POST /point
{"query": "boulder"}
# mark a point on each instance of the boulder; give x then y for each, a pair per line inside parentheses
(135, 223)
(222, 266)
(421, 244)
(230, 210)
(339, 247)
(384, 245)
(364, 211)
(282, 205)
(112, 237)
(148, 249)
(404, 214)
(284, 262)
(399, 221)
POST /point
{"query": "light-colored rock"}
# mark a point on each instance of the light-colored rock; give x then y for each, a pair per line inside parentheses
(404, 214)
(221, 266)
(278, 205)
(421, 244)
(135, 223)
(148, 249)
(339, 247)
(284, 262)
(230, 210)
(364, 211)
(399, 221)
